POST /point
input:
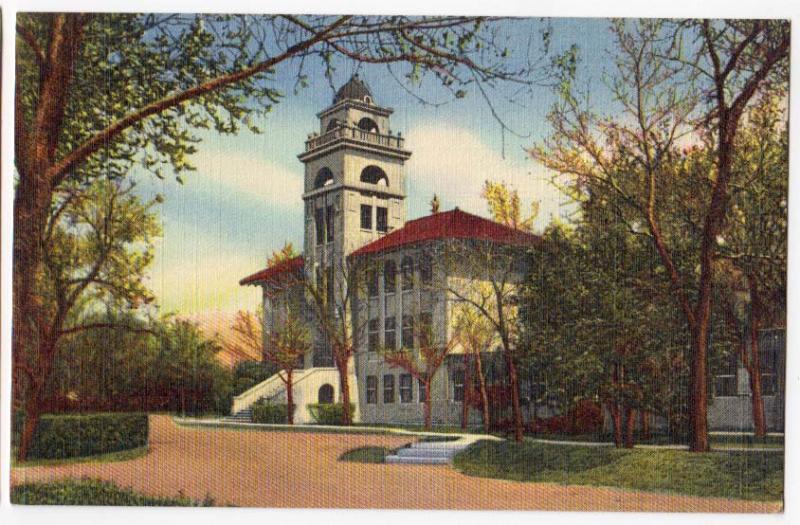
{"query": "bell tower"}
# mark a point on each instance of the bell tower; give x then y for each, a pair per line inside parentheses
(354, 189)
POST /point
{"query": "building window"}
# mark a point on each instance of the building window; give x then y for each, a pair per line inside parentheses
(329, 222)
(458, 385)
(319, 222)
(388, 388)
(374, 175)
(372, 390)
(769, 368)
(366, 217)
(407, 337)
(324, 178)
(373, 335)
(389, 338)
(725, 383)
(425, 329)
(406, 393)
(407, 273)
(372, 283)
(389, 277)
(426, 270)
(381, 219)
(422, 395)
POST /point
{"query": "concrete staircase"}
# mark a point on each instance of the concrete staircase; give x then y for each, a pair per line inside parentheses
(242, 416)
(430, 452)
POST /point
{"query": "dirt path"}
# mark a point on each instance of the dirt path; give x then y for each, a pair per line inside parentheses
(288, 469)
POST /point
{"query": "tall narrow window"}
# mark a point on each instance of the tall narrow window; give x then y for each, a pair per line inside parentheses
(769, 369)
(372, 390)
(406, 392)
(373, 335)
(329, 285)
(425, 329)
(408, 332)
(725, 383)
(407, 273)
(425, 270)
(366, 217)
(458, 385)
(389, 338)
(329, 222)
(389, 277)
(388, 388)
(422, 393)
(381, 219)
(319, 223)
(372, 283)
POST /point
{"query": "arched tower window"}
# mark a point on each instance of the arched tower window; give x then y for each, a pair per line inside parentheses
(367, 124)
(324, 178)
(333, 124)
(325, 394)
(374, 175)
(407, 272)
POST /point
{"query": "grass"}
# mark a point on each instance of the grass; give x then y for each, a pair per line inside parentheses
(93, 492)
(736, 475)
(369, 454)
(110, 457)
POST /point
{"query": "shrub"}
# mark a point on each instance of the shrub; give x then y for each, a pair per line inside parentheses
(67, 436)
(92, 492)
(328, 413)
(264, 412)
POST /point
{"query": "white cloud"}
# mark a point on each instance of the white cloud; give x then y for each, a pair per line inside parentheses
(454, 163)
(248, 176)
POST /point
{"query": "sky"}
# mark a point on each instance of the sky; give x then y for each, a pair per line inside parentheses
(244, 200)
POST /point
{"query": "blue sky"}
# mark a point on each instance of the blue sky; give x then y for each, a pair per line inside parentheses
(244, 200)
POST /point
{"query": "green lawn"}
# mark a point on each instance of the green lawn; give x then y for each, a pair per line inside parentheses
(738, 475)
(93, 492)
(123, 455)
(369, 454)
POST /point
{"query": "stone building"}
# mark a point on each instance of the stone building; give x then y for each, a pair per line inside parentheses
(355, 215)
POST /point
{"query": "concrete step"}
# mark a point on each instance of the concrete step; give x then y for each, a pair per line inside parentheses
(426, 453)
(417, 460)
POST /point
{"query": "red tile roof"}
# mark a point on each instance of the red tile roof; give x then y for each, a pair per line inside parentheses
(273, 274)
(453, 224)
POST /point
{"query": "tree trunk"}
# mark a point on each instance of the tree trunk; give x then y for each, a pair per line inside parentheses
(427, 405)
(484, 394)
(467, 393)
(514, 384)
(644, 424)
(289, 398)
(754, 370)
(630, 426)
(344, 387)
(616, 423)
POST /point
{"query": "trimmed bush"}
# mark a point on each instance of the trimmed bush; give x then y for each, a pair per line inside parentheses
(92, 492)
(264, 412)
(68, 436)
(328, 413)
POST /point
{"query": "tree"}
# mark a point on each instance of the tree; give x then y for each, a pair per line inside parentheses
(486, 276)
(97, 94)
(424, 362)
(475, 334)
(99, 247)
(282, 255)
(661, 71)
(288, 343)
(755, 237)
(505, 206)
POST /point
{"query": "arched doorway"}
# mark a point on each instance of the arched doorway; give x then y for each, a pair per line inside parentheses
(325, 394)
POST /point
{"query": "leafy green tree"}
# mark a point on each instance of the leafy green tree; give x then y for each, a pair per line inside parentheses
(289, 342)
(99, 246)
(476, 334)
(673, 80)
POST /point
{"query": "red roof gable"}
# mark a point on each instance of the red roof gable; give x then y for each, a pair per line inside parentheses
(453, 224)
(274, 273)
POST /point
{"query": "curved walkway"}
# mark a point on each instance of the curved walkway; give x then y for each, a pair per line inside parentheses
(297, 469)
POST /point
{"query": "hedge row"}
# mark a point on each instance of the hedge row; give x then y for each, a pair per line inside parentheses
(264, 412)
(92, 492)
(67, 436)
(328, 413)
